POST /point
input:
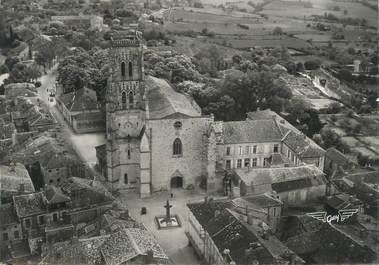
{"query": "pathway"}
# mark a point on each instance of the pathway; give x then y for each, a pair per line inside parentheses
(83, 144)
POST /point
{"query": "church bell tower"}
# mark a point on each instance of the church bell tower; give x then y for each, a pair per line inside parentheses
(125, 109)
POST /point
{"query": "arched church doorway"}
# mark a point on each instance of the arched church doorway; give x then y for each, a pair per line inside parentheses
(176, 182)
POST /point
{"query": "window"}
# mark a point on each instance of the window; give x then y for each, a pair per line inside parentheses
(254, 149)
(228, 164)
(123, 100)
(131, 98)
(59, 180)
(16, 234)
(57, 169)
(228, 151)
(49, 170)
(274, 211)
(177, 125)
(41, 220)
(27, 223)
(254, 164)
(247, 162)
(129, 154)
(177, 147)
(55, 217)
(240, 150)
(125, 178)
(50, 181)
(288, 153)
(122, 69)
(130, 69)
(5, 236)
(266, 162)
(276, 148)
(247, 150)
(239, 163)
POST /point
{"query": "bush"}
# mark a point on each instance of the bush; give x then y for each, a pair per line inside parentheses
(198, 5)
(37, 84)
(312, 64)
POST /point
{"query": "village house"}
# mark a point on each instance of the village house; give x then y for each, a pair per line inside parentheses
(114, 238)
(50, 214)
(14, 90)
(293, 185)
(336, 161)
(28, 117)
(266, 207)
(220, 235)
(296, 147)
(82, 111)
(81, 21)
(319, 242)
(14, 179)
(10, 228)
(48, 161)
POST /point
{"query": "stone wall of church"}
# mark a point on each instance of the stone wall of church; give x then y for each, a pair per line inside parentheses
(189, 165)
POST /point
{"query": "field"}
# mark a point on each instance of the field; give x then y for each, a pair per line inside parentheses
(366, 141)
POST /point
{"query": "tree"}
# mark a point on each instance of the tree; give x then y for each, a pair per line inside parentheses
(278, 31)
(313, 64)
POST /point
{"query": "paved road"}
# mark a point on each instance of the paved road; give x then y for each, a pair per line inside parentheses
(83, 144)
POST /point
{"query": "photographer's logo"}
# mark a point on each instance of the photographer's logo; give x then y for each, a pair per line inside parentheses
(340, 217)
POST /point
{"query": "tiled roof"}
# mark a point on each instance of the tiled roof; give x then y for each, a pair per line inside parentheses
(59, 160)
(145, 242)
(55, 195)
(7, 214)
(80, 100)
(29, 204)
(249, 131)
(292, 185)
(262, 176)
(227, 232)
(164, 101)
(118, 248)
(84, 252)
(302, 146)
(261, 115)
(337, 157)
(39, 150)
(84, 192)
(263, 200)
(11, 180)
(20, 90)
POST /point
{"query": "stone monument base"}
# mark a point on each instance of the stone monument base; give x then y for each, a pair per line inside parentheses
(163, 223)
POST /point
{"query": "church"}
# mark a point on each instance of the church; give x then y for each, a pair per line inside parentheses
(158, 139)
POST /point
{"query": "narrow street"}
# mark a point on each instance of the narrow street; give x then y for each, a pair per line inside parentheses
(83, 144)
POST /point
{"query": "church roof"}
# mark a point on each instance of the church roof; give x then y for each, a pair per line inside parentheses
(164, 101)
